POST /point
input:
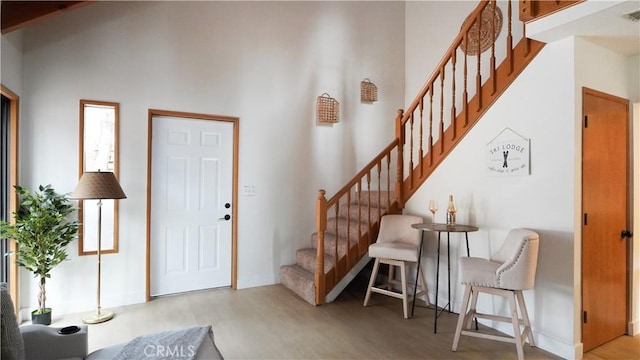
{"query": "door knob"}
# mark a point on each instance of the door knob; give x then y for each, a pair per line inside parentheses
(226, 217)
(626, 233)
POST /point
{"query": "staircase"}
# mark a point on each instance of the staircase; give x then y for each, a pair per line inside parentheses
(460, 90)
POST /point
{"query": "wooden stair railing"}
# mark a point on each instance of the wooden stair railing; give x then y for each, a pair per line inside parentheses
(445, 109)
(360, 190)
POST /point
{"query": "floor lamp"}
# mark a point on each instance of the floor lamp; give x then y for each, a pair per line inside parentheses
(97, 186)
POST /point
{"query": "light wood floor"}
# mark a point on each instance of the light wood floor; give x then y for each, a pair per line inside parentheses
(270, 322)
(622, 348)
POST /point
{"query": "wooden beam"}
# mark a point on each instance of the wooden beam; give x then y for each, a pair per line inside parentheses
(18, 14)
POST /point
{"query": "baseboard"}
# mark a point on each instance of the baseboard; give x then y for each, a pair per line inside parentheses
(634, 328)
(553, 345)
(256, 281)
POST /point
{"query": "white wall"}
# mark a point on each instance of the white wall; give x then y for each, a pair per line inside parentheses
(11, 62)
(431, 27)
(610, 72)
(542, 201)
(264, 62)
(544, 105)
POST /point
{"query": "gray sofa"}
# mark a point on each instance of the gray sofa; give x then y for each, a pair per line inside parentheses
(40, 342)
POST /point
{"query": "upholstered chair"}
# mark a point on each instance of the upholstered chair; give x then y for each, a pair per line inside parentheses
(397, 245)
(510, 270)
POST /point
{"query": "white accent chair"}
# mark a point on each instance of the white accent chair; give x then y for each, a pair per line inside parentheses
(510, 270)
(398, 244)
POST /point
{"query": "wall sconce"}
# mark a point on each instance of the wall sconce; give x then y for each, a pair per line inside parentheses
(368, 91)
(327, 109)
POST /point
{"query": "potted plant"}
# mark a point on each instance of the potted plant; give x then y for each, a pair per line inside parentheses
(42, 230)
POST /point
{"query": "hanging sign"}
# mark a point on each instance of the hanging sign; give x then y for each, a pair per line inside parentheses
(508, 156)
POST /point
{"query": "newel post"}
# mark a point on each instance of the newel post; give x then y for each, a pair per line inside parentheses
(400, 163)
(321, 226)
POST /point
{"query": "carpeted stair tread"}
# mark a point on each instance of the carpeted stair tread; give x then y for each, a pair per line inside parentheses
(300, 281)
(330, 243)
(359, 213)
(352, 221)
(345, 228)
(371, 197)
(306, 259)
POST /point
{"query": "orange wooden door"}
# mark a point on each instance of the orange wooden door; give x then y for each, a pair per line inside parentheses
(605, 201)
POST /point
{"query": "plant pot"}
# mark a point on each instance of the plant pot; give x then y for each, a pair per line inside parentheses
(44, 318)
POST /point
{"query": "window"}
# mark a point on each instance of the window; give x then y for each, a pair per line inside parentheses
(4, 188)
(8, 179)
(98, 152)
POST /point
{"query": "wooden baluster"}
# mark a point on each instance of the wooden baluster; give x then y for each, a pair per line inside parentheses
(336, 276)
(453, 95)
(421, 151)
(431, 124)
(379, 204)
(509, 38)
(369, 199)
(388, 156)
(359, 189)
(400, 162)
(321, 226)
(479, 74)
(493, 49)
(347, 255)
(465, 93)
(411, 149)
(441, 139)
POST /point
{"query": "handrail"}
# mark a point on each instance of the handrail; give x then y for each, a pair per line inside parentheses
(447, 55)
(334, 199)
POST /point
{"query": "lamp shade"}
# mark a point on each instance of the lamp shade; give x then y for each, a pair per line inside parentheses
(98, 185)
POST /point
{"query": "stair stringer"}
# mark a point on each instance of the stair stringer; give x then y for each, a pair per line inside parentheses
(346, 280)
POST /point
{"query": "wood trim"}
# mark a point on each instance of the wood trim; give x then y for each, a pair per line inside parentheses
(592, 335)
(234, 196)
(505, 76)
(535, 9)
(18, 14)
(116, 172)
(14, 105)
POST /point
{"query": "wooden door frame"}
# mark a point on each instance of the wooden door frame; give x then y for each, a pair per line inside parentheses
(14, 107)
(634, 296)
(630, 208)
(234, 196)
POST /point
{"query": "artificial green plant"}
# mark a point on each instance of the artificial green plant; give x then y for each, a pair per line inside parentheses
(42, 229)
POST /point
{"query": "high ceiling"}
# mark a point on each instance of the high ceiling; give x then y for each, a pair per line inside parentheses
(18, 14)
(602, 22)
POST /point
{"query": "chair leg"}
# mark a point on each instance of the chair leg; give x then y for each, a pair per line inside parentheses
(462, 316)
(372, 281)
(525, 317)
(392, 277)
(472, 311)
(517, 336)
(403, 279)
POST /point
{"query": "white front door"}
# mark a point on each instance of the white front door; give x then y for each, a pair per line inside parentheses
(191, 193)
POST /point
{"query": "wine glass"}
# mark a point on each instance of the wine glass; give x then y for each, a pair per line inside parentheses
(433, 207)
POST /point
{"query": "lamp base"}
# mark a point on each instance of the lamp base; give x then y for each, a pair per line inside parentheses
(97, 317)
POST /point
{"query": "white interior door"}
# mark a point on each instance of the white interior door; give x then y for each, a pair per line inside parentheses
(191, 193)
